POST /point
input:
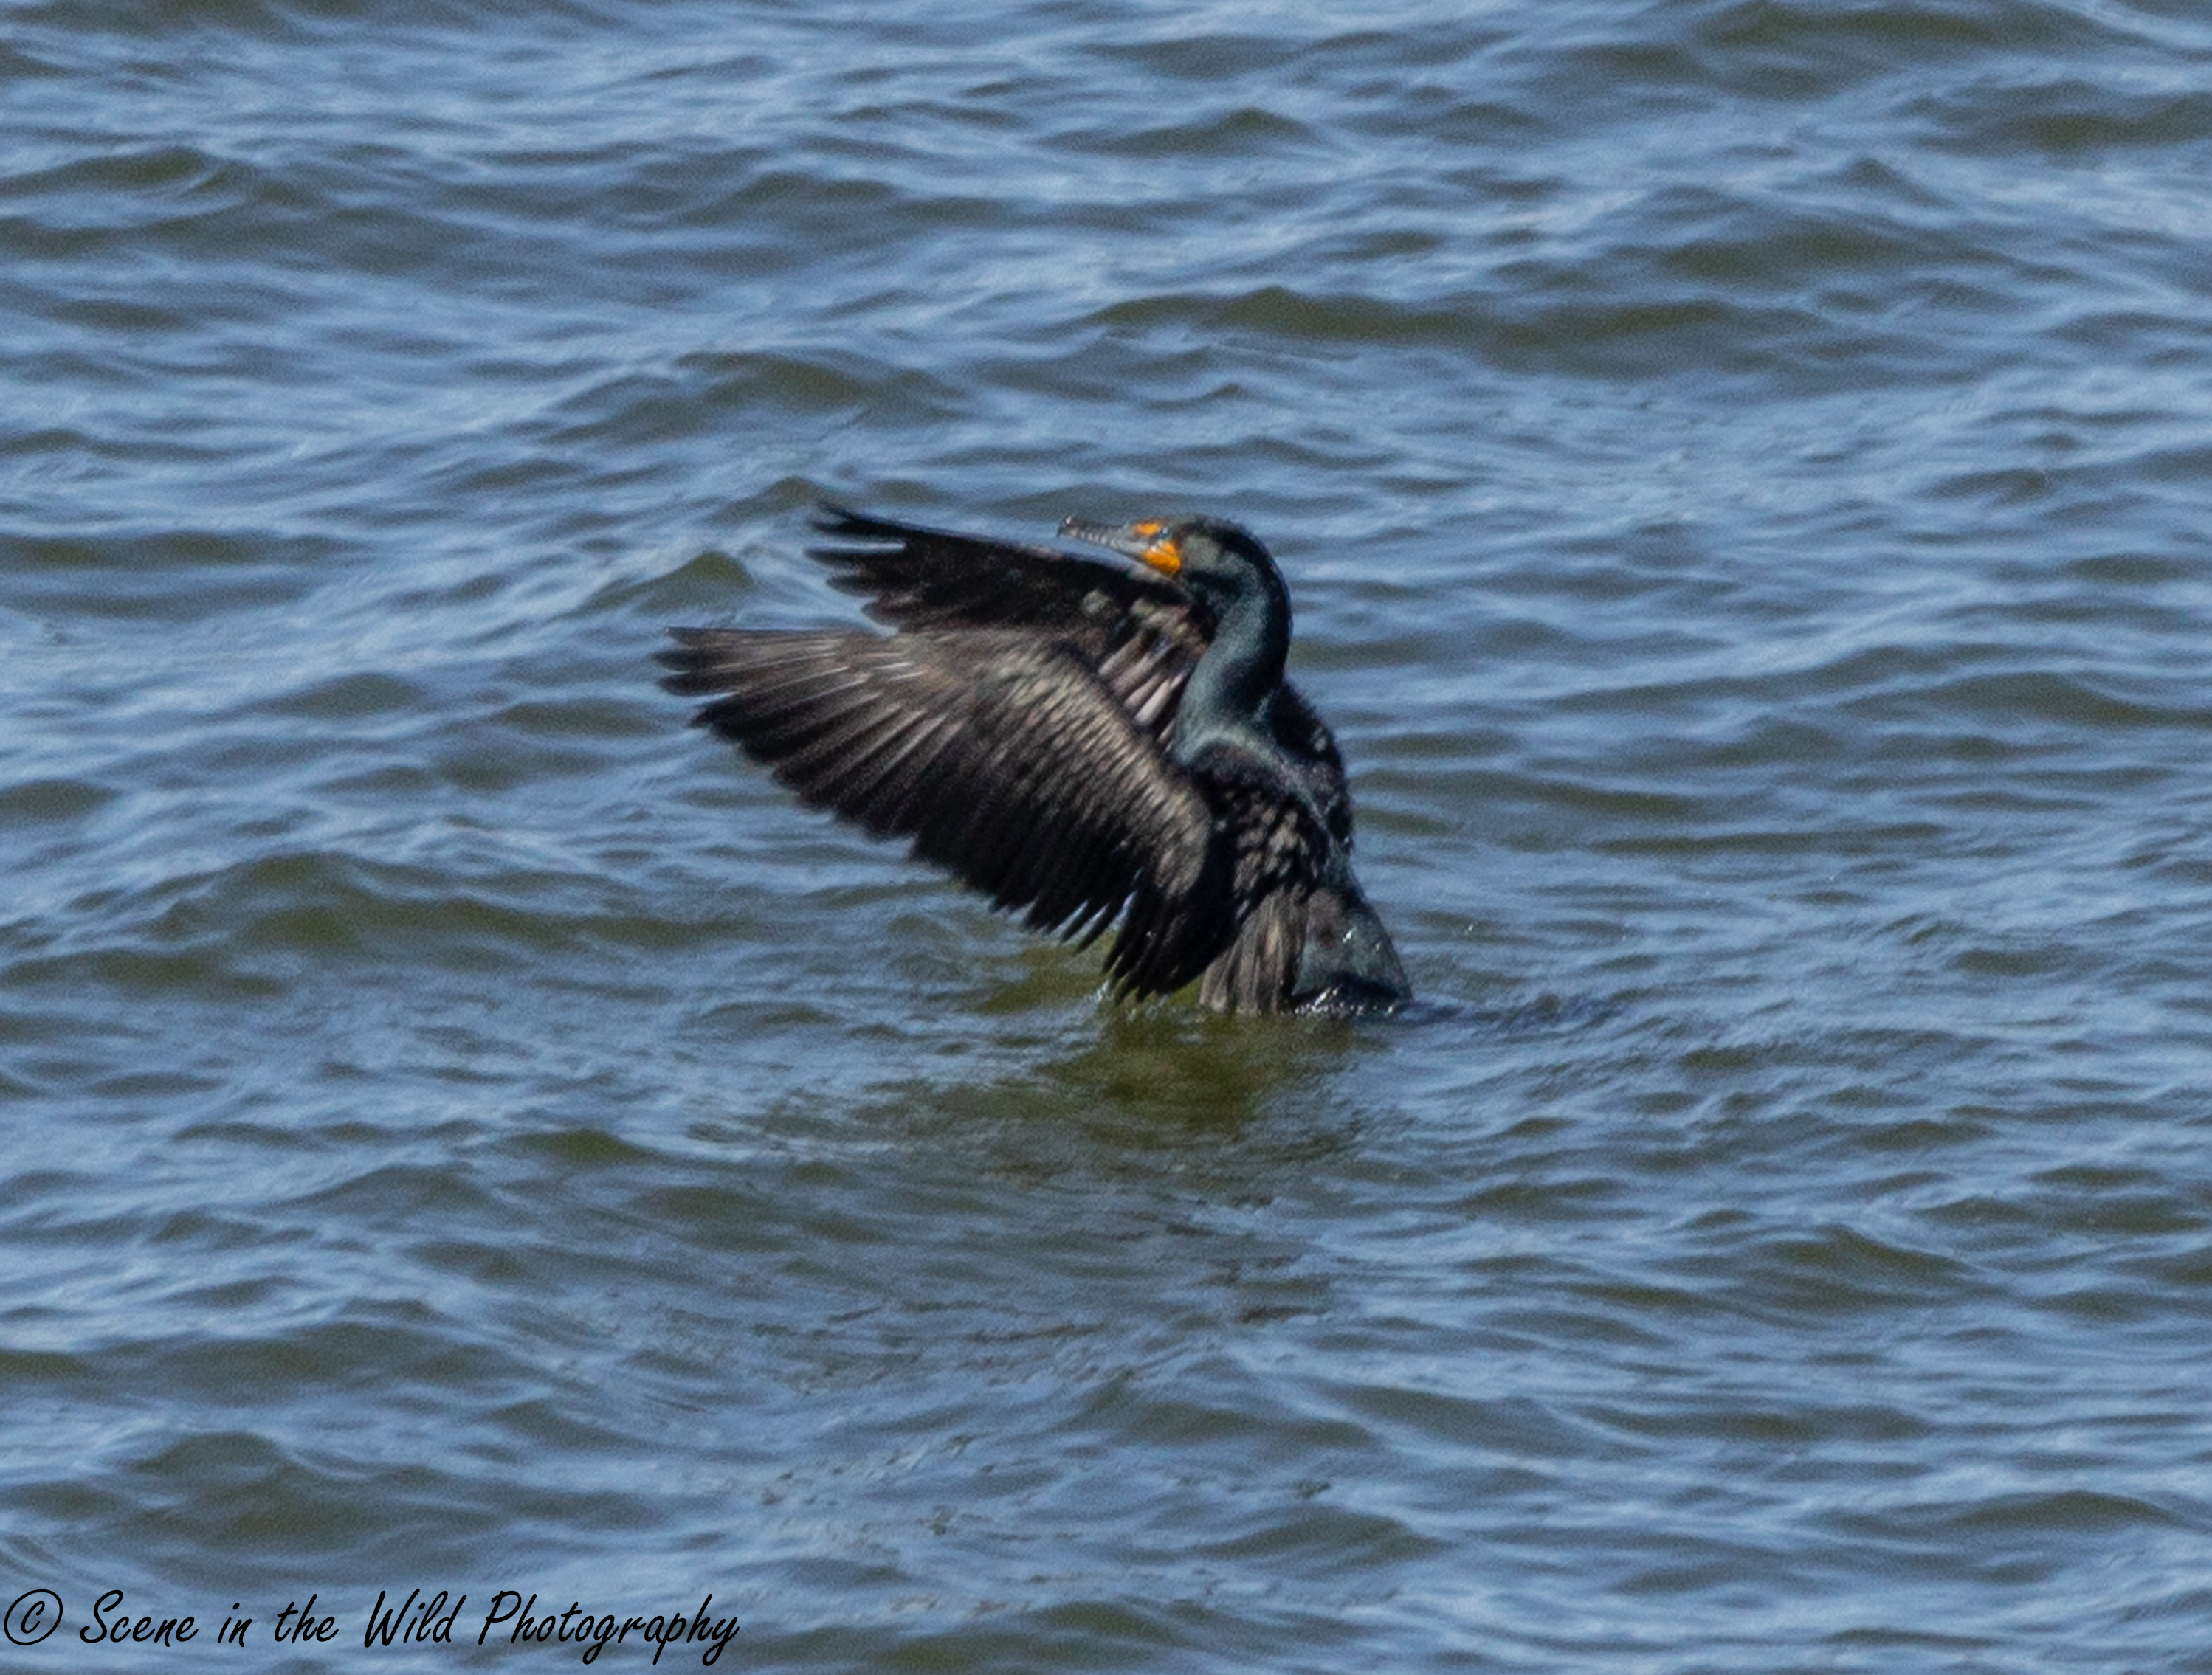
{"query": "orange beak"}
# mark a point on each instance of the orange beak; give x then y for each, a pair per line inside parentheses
(1148, 542)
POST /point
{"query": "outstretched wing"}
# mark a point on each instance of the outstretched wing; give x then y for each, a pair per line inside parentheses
(1139, 634)
(1006, 760)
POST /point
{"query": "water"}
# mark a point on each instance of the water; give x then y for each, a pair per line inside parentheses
(1739, 465)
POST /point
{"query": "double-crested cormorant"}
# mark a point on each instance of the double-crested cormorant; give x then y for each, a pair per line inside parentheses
(1089, 743)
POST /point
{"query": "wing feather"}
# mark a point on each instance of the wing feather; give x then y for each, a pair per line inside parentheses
(1141, 634)
(1005, 759)
(1280, 855)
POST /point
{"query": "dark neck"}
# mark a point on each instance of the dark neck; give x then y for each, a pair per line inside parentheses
(1230, 687)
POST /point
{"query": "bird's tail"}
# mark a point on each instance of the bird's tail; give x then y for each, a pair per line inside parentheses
(1313, 949)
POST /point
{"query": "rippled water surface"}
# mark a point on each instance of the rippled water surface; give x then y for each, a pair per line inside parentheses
(1742, 465)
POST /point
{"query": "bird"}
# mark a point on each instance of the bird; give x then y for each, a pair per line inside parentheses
(1091, 743)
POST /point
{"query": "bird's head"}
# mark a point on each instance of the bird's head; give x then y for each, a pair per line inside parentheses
(1210, 556)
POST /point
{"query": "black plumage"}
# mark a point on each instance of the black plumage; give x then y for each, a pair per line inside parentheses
(1090, 745)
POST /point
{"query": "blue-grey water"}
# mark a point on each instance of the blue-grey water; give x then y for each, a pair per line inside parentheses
(1744, 467)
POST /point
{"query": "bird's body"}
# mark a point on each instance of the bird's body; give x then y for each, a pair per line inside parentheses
(1087, 744)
